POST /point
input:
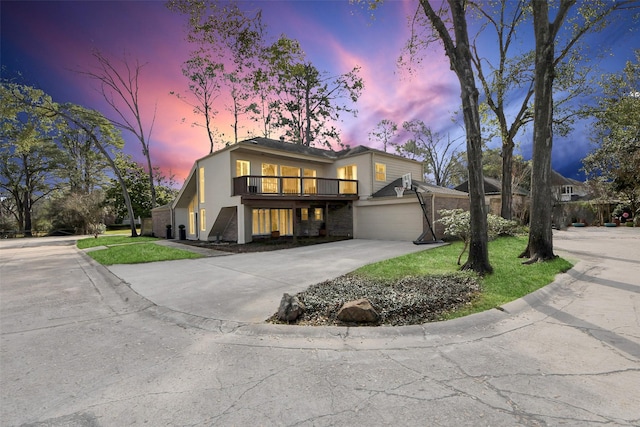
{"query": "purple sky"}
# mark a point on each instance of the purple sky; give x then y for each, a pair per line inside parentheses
(46, 41)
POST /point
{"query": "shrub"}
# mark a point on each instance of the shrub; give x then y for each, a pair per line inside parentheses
(457, 223)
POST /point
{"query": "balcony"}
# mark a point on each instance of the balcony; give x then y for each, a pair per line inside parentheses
(257, 185)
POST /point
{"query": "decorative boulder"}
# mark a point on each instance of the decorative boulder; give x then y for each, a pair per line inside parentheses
(358, 311)
(291, 308)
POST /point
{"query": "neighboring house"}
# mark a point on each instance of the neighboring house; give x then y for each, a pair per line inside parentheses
(255, 187)
(567, 189)
(493, 197)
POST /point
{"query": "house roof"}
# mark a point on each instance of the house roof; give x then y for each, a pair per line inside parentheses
(557, 180)
(492, 186)
(389, 189)
(299, 149)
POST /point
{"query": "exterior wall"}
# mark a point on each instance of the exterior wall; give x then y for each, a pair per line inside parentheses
(257, 159)
(339, 219)
(364, 175)
(446, 202)
(396, 167)
(161, 217)
(365, 162)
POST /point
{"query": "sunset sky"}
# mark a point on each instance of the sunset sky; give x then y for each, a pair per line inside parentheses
(47, 41)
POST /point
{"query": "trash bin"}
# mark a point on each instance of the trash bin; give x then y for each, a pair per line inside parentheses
(182, 232)
(169, 231)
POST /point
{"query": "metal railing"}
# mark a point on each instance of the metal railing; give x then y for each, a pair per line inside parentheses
(293, 186)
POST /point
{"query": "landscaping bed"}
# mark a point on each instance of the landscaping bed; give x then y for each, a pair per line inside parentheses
(408, 301)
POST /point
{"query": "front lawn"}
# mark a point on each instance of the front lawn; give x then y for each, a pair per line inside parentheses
(132, 250)
(112, 240)
(510, 279)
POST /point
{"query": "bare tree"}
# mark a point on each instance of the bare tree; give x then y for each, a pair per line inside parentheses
(439, 155)
(120, 88)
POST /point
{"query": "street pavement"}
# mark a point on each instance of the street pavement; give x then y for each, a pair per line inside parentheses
(82, 345)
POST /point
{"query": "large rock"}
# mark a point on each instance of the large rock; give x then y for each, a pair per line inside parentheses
(291, 308)
(358, 311)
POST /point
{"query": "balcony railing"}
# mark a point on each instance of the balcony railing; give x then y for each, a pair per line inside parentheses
(293, 186)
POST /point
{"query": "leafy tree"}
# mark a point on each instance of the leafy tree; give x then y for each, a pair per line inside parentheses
(308, 101)
(85, 213)
(84, 165)
(509, 81)
(134, 177)
(492, 166)
(29, 155)
(449, 25)
(229, 42)
(615, 161)
(103, 135)
(440, 156)
(384, 132)
(589, 16)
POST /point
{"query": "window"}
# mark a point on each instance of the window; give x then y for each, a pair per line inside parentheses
(267, 220)
(192, 220)
(243, 167)
(381, 172)
(309, 181)
(567, 189)
(203, 220)
(201, 186)
(348, 172)
(269, 185)
(290, 185)
(304, 214)
(318, 214)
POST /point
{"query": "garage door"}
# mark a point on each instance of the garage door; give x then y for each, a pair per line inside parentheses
(389, 222)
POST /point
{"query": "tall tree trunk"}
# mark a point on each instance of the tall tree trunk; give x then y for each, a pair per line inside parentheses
(27, 215)
(507, 173)
(540, 245)
(459, 54)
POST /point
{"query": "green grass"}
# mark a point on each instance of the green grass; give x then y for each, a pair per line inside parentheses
(510, 279)
(123, 231)
(112, 240)
(139, 253)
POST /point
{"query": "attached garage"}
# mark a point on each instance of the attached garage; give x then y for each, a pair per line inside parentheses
(399, 219)
(384, 216)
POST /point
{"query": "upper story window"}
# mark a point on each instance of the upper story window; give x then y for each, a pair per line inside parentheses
(201, 184)
(290, 185)
(269, 185)
(243, 168)
(381, 172)
(309, 181)
(567, 189)
(348, 172)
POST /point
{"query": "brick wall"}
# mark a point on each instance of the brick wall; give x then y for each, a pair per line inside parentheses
(161, 217)
(340, 219)
(443, 202)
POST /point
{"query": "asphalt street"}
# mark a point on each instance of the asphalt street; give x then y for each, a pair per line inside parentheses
(82, 345)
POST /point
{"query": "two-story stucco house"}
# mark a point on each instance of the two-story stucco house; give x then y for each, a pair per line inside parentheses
(260, 186)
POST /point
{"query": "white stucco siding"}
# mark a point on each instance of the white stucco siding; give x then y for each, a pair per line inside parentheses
(388, 221)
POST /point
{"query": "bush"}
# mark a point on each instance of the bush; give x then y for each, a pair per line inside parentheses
(457, 223)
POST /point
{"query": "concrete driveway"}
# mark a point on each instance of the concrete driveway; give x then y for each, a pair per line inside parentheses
(247, 288)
